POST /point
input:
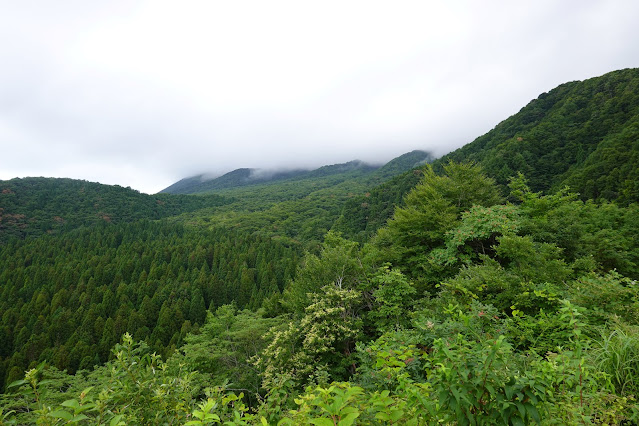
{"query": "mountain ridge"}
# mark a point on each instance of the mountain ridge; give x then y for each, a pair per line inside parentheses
(34, 206)
(253, 176)
(582, 134)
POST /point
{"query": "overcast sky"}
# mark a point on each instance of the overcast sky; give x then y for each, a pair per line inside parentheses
(142, 94)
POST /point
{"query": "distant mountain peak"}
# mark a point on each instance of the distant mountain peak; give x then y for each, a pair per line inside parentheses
(251, 176)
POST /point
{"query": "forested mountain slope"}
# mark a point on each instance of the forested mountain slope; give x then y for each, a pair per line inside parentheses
(150, 265)
(251, 177)
(68, 298)
(300, 210)
(584, 134)
(264, 178)
(362, 215)
(35, 206)
(233, 179)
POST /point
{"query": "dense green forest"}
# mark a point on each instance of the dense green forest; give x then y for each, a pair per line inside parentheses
(583, 134)
(452, 293)
(69, 298)
(35, 206)
(100, 250)
(297, 210)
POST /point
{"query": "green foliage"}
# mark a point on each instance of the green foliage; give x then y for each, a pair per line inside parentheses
(582, 134)
(139, 386)
(431, 210)
(338, 263)
(68, 298)
(476, 235)
(609, 298)
(473, 375)
(476, 383)
(31, 207)
(135, 387)
(222, 407)
(320, 344)
(342, 403)
(221, 352)
(437, 202)
(334, 405)
(594, 236)
(616, 353)
(392, 294)
(532, 261)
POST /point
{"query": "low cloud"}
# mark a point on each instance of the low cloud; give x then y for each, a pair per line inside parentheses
(143, 94)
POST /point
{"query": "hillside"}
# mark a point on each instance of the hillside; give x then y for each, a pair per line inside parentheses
(300, 209)
(361, 216)
(68, 298)
(251, 177)
(236, 178)
(264, 178)
(151, 265)
(35, 206)
(583, 134)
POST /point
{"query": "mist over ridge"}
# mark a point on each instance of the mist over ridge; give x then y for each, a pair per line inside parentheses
(251, 176)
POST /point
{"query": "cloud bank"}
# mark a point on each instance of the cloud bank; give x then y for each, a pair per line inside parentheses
(142, 94)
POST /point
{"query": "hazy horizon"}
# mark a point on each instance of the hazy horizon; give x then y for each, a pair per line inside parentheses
(143, 94)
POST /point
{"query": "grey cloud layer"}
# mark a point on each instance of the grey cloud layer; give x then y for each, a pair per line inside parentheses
(143, 94)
